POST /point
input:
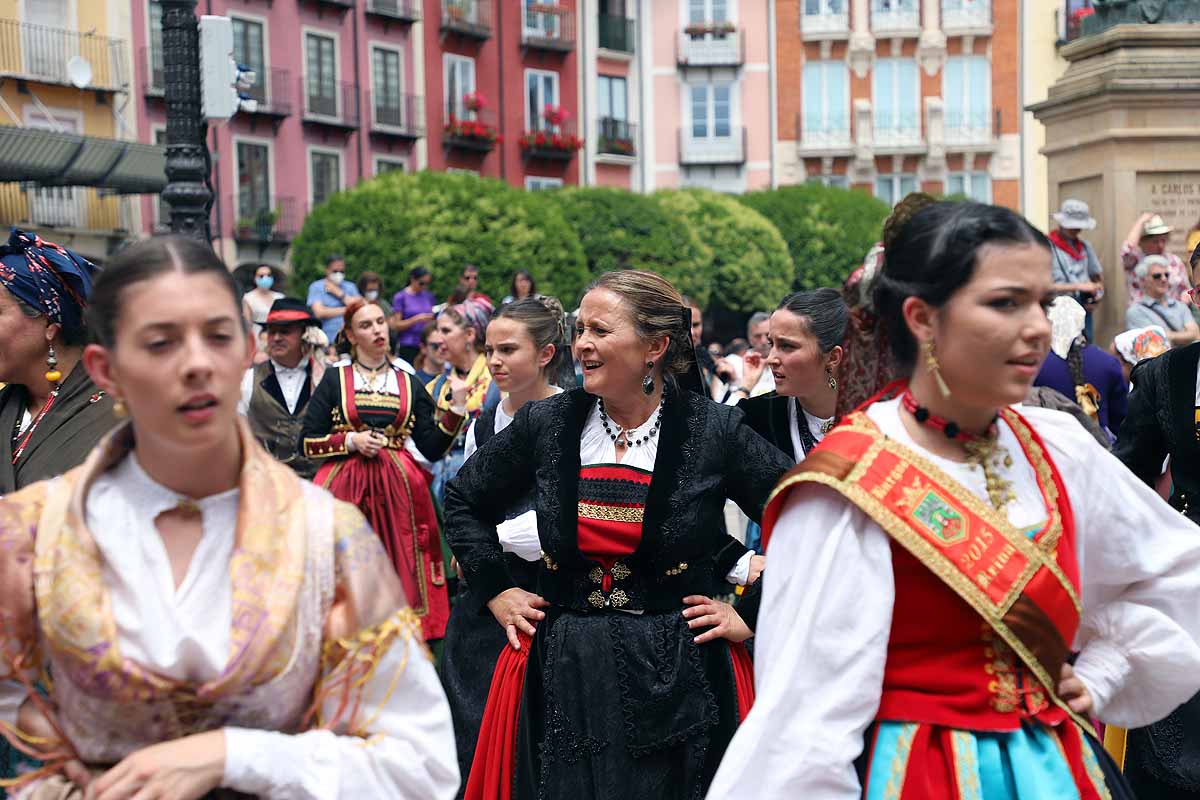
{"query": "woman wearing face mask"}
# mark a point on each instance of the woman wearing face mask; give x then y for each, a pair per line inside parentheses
(529, 357)
(360, 424)
(948, 549)
(211, 621)
(256, 303)
(463, 328)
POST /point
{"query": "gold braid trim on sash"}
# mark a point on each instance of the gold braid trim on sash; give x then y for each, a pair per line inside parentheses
(1040, 553)
(349, 665)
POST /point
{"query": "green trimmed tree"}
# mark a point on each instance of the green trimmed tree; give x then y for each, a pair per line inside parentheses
(828, 230)
(748, 259)
(622, 230)
(442, 221)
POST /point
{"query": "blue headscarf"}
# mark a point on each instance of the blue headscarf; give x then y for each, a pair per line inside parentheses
(49, 279)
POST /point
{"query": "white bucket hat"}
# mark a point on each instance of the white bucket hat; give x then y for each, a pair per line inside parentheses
(1074, 215)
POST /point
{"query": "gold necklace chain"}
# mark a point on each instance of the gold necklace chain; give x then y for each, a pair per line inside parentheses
(369, 379)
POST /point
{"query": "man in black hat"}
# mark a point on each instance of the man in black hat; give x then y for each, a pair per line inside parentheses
(275, 393)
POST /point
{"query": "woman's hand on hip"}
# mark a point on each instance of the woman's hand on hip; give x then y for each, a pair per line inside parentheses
(722, 618)
(516, 610)
(185, 769)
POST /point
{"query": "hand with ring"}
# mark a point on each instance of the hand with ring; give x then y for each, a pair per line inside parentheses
(369, 443)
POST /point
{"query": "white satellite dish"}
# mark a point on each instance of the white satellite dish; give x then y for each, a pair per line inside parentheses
(79, 71)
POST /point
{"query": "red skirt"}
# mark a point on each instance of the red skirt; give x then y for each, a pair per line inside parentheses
(392, 492)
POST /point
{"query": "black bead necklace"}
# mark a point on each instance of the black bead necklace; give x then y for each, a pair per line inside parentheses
(624, 434)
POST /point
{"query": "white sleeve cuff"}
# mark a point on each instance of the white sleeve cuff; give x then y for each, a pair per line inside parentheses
(741, 570)
(1103, 669)
(519, 535)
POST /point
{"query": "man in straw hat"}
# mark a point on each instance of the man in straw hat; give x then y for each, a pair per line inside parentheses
(1148, 237)
(1076, 270)
(275, 393)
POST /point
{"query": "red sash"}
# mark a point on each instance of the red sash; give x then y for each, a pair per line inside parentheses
(1026, 590)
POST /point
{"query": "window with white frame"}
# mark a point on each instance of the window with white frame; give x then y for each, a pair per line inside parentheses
(966, 13)
(321, 74)
(829, 179)
(384, 165)
(326, 169)
(248, 51)
(896, 88)
(612, 101)
(712, 111)
(254, 180)
(535, 183)
(702, 12)
(891, 189)
(824, 16)
(541, 92)
(460, 82)
(156, 46)
(538, 20)
(387, 82)
(825, 118)
(975, 185)
(893, 15)
(967, 91)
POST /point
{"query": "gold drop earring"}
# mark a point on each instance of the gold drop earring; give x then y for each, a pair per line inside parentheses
(935, 368)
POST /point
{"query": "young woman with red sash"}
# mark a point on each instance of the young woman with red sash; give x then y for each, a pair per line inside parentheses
(624, 677)
(361, 422)
(946, 552)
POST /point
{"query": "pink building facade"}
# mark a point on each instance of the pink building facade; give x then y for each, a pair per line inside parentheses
(340, 99)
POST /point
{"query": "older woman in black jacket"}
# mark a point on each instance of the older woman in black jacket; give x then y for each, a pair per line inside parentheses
(634, 679)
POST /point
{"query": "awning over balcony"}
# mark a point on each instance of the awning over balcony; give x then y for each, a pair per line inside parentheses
(49, 158)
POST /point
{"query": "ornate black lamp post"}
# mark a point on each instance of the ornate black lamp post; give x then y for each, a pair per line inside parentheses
(188, 164)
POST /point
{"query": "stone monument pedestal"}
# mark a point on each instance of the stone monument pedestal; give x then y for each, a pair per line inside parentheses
(1123, 134)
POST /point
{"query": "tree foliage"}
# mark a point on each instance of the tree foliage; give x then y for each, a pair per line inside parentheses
(442, 221)
(828, 230)
(622, 230)
(747, 258)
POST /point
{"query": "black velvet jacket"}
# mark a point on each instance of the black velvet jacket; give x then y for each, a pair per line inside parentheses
(1161, 422)
(706, 453)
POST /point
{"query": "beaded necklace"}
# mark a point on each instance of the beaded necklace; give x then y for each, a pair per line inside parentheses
(623, 434)
(32, 427)
(983, 451)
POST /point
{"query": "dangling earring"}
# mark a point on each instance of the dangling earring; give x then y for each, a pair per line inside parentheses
(935, 369)
(119, 410)
(832, 380)
(648, 381)
(52, 373)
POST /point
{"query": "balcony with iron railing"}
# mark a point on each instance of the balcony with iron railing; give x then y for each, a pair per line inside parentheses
(967, 127)
(824, 20)
(618, 34)
(332, 103)
(699, 150)
(616, 137)
(897, 132)
(39, 53)
(967, 17)
(470, 18)
(74, 208)
(340, 5)
(553, 140)
(472, 131)
(399, 115)
(272, 92)
(548, 27)
(400, 10)
(711, 44)
(265, 220)
(895, 18)
(828, 136)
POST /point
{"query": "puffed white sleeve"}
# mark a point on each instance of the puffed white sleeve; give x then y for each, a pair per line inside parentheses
(384, 726)
(821, 644)
(1140, 576)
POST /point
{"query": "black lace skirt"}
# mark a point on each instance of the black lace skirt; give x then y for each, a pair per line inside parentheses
(620, 705)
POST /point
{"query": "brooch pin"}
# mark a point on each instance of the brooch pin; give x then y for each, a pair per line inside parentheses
(96, 397)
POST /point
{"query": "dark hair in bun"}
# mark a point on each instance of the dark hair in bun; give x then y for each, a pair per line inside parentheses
(934, 254)
(543, 317)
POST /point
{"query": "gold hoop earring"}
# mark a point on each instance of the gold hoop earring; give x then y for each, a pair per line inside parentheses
(935, 368)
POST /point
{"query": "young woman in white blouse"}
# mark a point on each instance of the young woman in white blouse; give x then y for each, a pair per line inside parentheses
(941, 554)
(528, 354)
(211, 622)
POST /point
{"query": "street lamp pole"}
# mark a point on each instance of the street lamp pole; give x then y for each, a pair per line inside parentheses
(188, 164)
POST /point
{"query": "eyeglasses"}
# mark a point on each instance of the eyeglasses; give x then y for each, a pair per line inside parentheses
(1158, 276)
